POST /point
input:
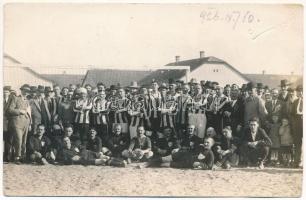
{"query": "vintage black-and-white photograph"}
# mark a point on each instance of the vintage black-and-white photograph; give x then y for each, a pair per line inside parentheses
(167, 100)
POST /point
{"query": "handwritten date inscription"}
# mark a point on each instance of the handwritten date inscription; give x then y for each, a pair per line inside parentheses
(234, 17)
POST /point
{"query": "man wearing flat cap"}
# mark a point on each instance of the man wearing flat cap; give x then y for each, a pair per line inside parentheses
(19, 115)
(297, 126)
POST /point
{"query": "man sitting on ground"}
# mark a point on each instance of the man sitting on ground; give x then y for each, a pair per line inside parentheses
(165, 143)
(205, 159)
(227, 151)
(117, 142)
(71, 154)
(140, 147)
(40, 147)
(184, 156)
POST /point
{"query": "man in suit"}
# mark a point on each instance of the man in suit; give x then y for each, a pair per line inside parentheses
(283, 96)
(233, 113)
(19, 114)
(7, 136)
(288, 105)
(253, 106)
(35, 104)
(274, 106)
(255, 144)
(297, 125)
(261, 91)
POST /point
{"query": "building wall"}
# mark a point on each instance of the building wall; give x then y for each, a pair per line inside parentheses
(17, 76)
(217, 72)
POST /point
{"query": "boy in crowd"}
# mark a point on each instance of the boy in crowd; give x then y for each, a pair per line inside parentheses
(275, 138)
(40, 147)
(227, 151)
(205, 159)
(140, 147)
(286, 142)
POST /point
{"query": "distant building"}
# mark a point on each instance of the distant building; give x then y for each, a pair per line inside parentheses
(202, 68)
(273, 80)
(65, 79)
(15, 74)
(113, 76)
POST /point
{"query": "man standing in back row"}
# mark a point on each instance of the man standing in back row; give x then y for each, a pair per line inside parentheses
(19, 116)
(297, 125)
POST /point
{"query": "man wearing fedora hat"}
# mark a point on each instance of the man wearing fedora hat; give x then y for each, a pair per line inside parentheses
(254, 106)
(134, 87)
(19, 115)
(260, 91)
(7, 136)
(284, 84)
(297, 125)
(288, 105)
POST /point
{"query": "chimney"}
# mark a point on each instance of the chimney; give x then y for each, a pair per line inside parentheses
(202, 54)
(263, 72)
(177, 58)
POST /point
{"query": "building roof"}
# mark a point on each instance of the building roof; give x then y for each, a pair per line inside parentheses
(38, 75)
(165, 74)
(16, 76)
(64, 79)
(9, 59)
(12, 63)
(273, 80)
(113, 76)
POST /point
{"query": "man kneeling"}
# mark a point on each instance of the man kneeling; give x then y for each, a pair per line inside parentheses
(255, 144)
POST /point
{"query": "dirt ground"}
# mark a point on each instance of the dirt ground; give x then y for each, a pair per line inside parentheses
(33, 180)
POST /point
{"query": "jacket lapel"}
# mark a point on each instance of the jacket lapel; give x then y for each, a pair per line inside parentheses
(47, 109)
(37, 105)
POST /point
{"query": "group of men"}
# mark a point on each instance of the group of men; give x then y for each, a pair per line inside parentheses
(198, 124)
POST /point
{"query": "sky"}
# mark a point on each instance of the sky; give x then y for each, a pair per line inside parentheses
(250, 37)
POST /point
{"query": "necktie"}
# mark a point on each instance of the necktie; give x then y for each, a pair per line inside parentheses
(301, 105)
